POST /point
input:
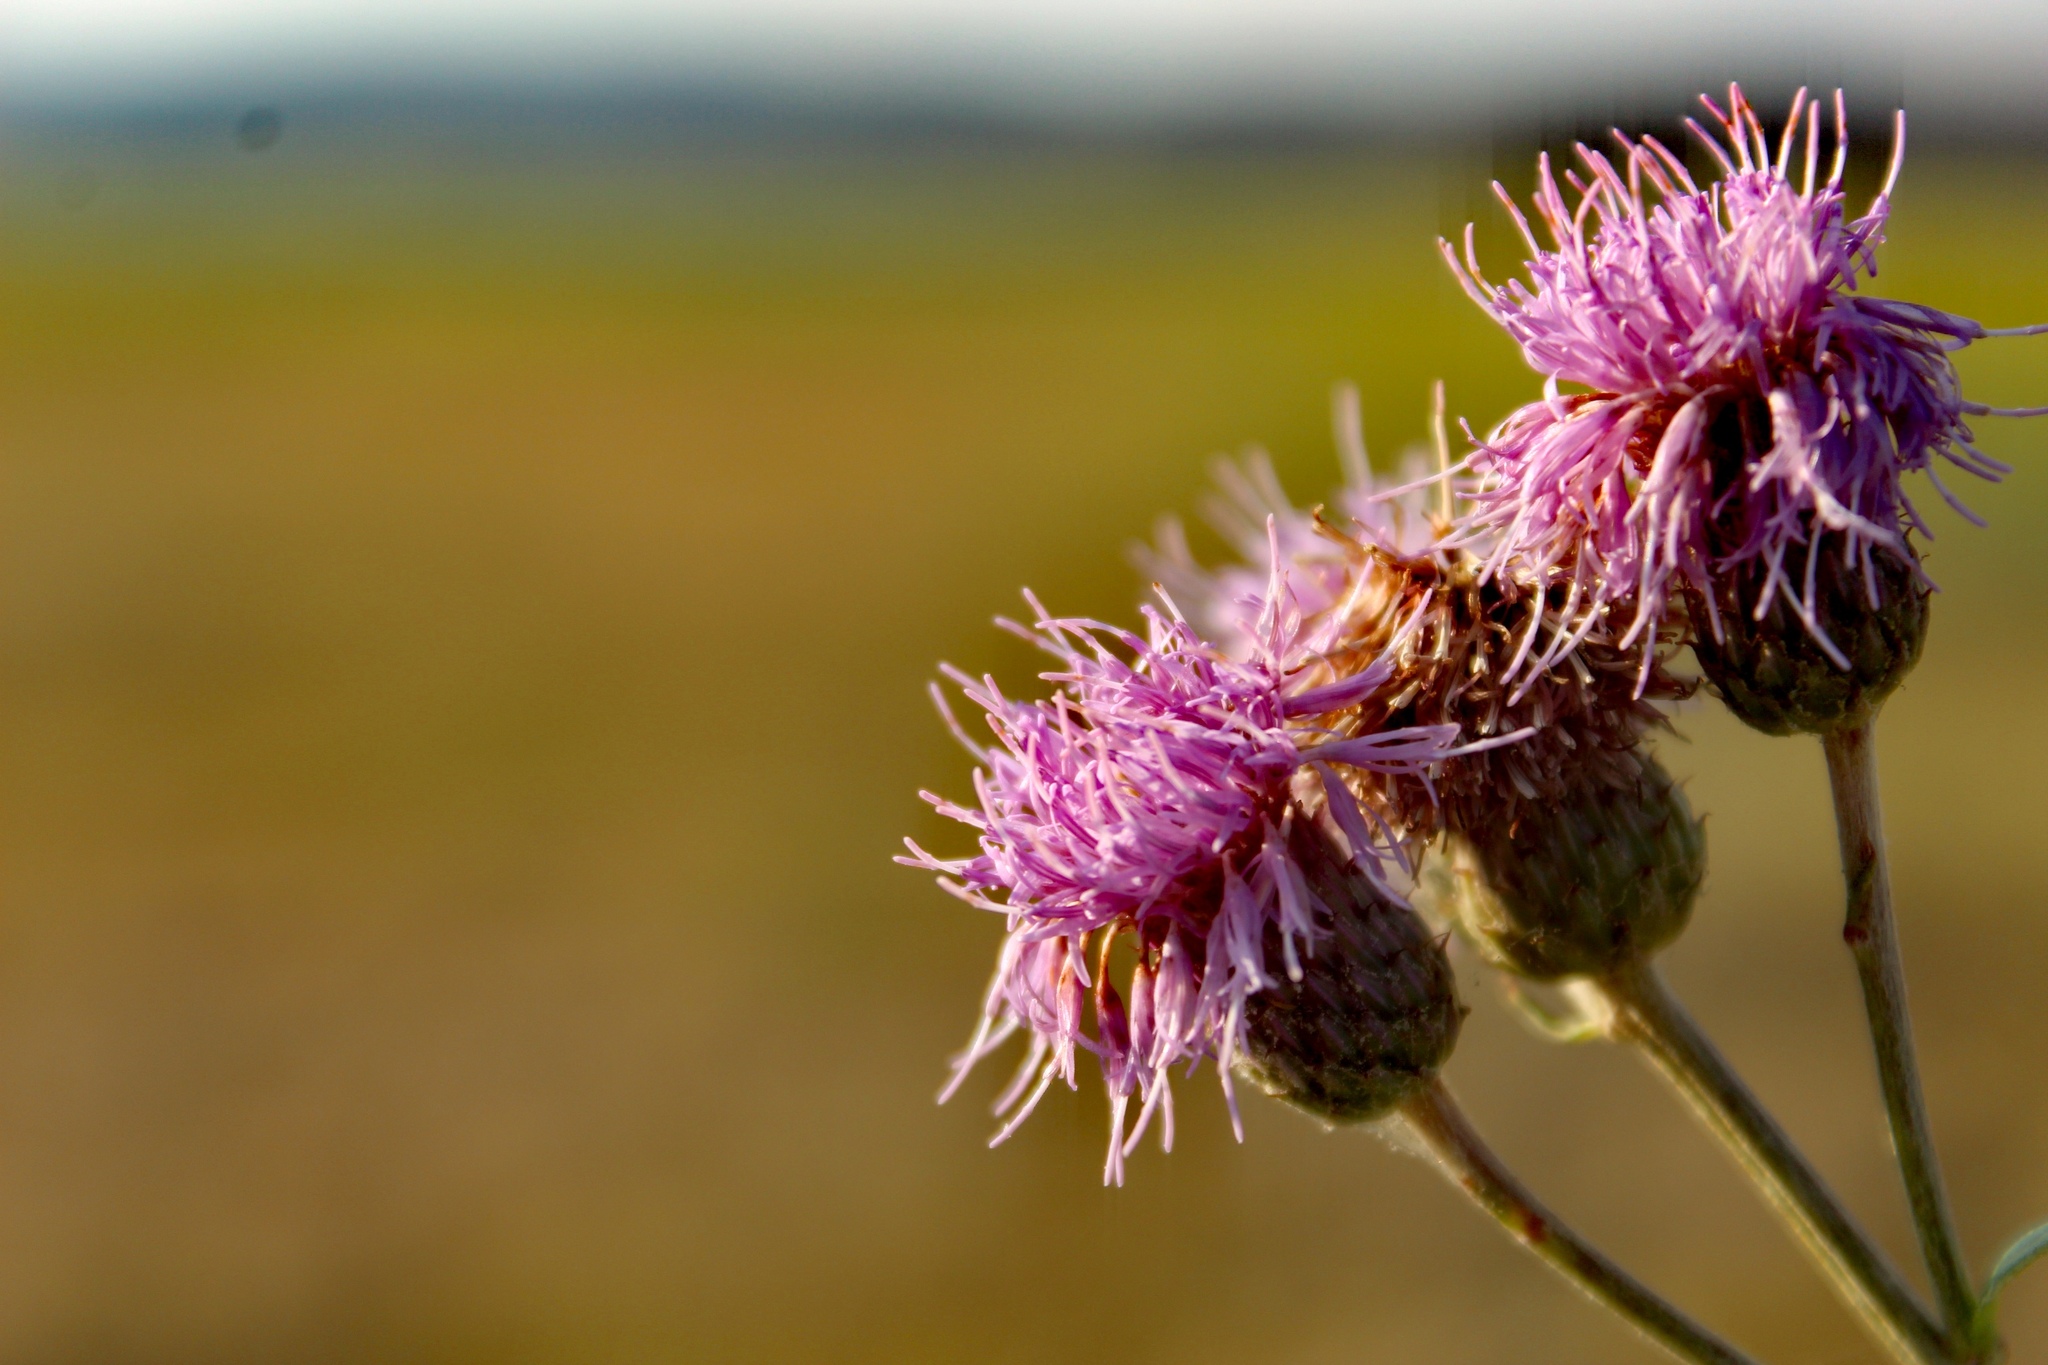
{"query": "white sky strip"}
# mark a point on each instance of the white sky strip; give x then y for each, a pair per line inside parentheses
(1139, 51)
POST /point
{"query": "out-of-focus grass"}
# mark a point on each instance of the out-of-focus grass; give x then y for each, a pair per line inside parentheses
(462, 635)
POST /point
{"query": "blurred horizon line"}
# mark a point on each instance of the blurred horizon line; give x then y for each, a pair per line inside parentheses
(627, 109)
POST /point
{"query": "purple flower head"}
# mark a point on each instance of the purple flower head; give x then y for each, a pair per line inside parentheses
(1318, 548)
(1149, 802)
(1745, 398)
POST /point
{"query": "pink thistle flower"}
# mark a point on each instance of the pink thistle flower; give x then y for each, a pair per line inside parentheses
(1402, 518)
(1151, 801)
(1746, 399)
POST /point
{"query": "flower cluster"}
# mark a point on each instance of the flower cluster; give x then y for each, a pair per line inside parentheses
(1744, 400)
(1472, 654)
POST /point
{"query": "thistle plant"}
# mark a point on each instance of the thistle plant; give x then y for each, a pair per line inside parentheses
(1441, 692)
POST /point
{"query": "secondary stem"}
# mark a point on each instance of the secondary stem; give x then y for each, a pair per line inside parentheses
(1872, 936)
(1436, 1119)
(1647, 1014)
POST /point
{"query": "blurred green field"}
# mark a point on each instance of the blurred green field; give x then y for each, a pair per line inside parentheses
(463, 627)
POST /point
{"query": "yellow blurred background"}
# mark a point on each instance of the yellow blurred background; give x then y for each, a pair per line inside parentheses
(463, 626)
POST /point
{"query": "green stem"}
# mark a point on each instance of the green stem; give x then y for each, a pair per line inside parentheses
(1647, 1014)
(1872, 936)
(1437, 1121)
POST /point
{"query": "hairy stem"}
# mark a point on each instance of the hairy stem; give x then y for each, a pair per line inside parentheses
(1872, 936)
(1459, 1152)
(1648, 1015)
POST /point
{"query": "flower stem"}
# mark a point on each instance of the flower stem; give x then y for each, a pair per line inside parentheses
(1872, 936)
(1459, 1152)
(1647, 1014)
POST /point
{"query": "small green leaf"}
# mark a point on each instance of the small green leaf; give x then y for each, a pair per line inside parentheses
(2030, 1247)
(1569, 1022)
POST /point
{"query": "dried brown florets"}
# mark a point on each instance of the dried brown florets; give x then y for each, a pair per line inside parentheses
(1464, 654)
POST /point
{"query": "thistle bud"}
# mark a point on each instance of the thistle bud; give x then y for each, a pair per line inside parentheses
(1777, 674)
(1582, 885)
(1375, 1012)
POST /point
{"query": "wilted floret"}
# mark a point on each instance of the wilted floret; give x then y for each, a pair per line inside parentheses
(1150, 802)
(1400, 585)
(1746, 399)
